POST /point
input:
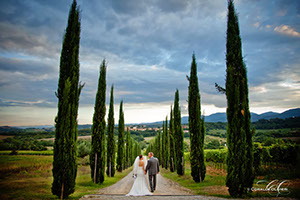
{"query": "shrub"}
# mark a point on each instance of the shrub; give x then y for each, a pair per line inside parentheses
(84, 148)
(216, 155)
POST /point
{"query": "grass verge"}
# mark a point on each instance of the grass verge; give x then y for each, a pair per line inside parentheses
(30, 177)
(213, 184)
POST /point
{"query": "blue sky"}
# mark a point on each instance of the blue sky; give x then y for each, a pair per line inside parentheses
(148, 46)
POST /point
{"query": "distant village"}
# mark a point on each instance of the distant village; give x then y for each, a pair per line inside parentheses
(145, 128)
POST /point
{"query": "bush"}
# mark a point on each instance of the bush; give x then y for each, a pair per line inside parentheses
(284, 154)
(84, 148)
(187, 157)
(217, 156)
(257, 151)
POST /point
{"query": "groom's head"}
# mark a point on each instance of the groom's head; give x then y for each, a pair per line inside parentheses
(150, 154)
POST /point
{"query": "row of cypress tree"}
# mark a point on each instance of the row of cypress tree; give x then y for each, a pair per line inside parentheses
(127, 148)
(168, 145)
(66, 132)
(240, 174)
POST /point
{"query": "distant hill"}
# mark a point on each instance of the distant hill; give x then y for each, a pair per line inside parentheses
(221, 117)
(216, 117)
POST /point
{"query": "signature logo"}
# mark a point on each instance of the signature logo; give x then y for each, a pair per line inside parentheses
(274, 188)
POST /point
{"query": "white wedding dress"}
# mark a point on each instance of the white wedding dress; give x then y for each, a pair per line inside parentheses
(139, 187)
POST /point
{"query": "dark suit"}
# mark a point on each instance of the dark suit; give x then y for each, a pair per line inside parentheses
(152, 168)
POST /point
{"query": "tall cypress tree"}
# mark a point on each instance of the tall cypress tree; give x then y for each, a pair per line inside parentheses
(127, 158)
(68, 92)
(239, 137)
(172, 157)
(178, 135)
(163, 146)
(166, 144)
(198, 168)
(97, 154)
(121, 141)
(132, 151)
(110, 171)
(158, 154)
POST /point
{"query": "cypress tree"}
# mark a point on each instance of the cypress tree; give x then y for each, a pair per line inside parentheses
(110, 171)
(163, 140)
(158, 154)
(198, 168)
(68, 92)
(171, 143)
(97, 154)
(239, 137)
(166, 144)
(127, 158)
(131, 151)
(178, 135)
(121, 141)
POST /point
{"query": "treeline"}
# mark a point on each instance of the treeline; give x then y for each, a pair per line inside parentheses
(23, 143)
(277, 123)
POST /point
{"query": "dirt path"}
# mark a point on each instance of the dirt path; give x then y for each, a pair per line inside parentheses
(163, 187)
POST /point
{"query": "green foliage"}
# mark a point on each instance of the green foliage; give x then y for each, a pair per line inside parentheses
(167, 144)
(186, 147)
(195, 126)
(121, 141)
(68, 92)
(110, 171)
(26, 152)
(276, 123)
(163, 148)
(172, 156)
(128, 155)
(84, 148)
(257, 152)
(23, 143)
(216, 155)
(178, 136)
(239, 137)
(97, 155)
(213, 144)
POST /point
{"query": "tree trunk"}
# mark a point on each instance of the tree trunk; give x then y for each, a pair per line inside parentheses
(109, 169)
(62, 191)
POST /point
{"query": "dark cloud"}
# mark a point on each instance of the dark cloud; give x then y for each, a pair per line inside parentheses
(148, 46)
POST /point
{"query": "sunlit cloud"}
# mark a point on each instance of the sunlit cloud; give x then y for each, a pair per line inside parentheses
(287, 30)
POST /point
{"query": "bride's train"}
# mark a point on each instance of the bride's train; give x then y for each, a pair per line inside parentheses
(139, 187)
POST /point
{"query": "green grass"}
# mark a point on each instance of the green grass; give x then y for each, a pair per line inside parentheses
(30, 177)
(213, 184)
(28, 152)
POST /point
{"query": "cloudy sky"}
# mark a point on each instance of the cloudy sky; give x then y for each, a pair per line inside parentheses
(148, 45)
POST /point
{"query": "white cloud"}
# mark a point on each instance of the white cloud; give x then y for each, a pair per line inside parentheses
(286, 30)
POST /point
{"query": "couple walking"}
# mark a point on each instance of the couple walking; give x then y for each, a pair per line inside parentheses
(140, 168)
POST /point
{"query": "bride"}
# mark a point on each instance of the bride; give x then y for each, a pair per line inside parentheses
(139, 187)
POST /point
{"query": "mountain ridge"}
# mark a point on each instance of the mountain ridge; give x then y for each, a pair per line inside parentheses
(216, 117)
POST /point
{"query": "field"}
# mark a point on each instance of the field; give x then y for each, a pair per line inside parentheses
(30, 177)
(214, 183)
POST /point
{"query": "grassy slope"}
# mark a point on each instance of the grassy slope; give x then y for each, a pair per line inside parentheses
(213, 184)
(30, 177)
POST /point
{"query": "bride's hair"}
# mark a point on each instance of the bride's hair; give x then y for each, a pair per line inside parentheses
(140, 156)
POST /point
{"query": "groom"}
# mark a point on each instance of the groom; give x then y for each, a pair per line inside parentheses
(153, 168)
